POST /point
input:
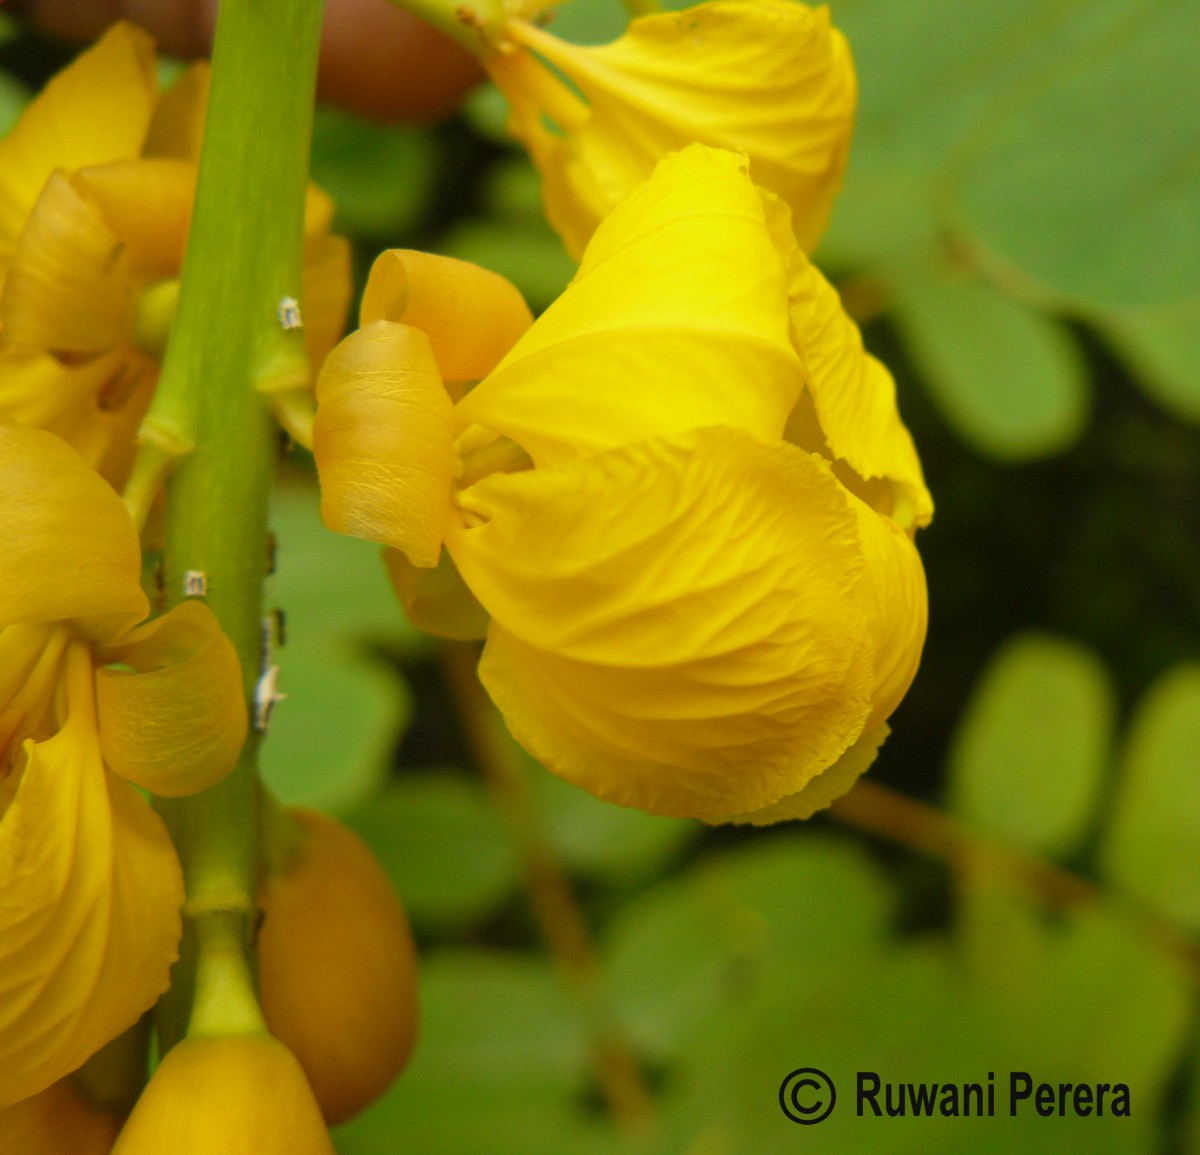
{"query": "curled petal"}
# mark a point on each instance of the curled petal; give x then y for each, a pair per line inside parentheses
(95, 111)
(677, 625)
(769, 77)
(677, 319)
(68, 287)
(826, 788)
(71, 550)
(90, 893)
(175, 724)
(471, 315)
(384, 441)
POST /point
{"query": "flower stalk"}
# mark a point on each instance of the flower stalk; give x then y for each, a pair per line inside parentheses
(228, 344)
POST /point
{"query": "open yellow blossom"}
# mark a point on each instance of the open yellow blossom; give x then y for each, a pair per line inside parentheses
(769, 77)
(684, 497)
(97, 181)
(90, 702)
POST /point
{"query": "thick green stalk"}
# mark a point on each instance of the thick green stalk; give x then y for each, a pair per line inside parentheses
(245, 258)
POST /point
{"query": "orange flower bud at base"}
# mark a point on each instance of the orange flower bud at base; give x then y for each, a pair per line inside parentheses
(337, 967)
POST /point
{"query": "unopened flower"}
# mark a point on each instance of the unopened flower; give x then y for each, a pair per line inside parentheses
(230, 1094)
(97, 181)
(684, 496)
(336, 964)
(91, 703)
(769, 77)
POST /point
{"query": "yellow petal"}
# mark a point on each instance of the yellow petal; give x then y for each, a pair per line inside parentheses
(177, 128)
(71, 550)
(90, 892)
(436, 600)
(327, 288)
(769, 77)
(677, 319)
(58, 1121)
(384, 441)
(471, 316)
(853, 395)
(176, 723)
(825, 788)
(38, 390)
(68, 287)
(897, 607)
(677, 626)
(237, 1095)
(94, 111)
(148, 205)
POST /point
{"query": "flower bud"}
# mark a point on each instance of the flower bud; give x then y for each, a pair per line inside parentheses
(229, 1094)
(58, 1121)
(337, 968)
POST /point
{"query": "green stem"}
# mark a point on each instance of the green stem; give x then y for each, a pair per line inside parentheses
(245, 256)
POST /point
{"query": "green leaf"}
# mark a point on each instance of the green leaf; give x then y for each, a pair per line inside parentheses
(1086, 184)
(1008, 379)
(1152, 849)
(781, 909)
(380, 176)
(500, 1070)
(445, 850)
(330, 740)
(1163, 347)
(1029, 756)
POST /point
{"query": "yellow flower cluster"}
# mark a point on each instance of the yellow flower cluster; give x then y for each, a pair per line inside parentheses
(680, 506)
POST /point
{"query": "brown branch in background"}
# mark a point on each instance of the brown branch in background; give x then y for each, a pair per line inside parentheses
(557, 912)
(878, 809)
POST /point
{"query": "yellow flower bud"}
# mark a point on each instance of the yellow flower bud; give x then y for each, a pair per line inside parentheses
(337, 967)
(58, 1121)
(227, 1095)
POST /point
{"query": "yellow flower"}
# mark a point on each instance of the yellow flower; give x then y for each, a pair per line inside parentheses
(97, 181)
(235, 1094)
(769, 77)
(684, 497)
(90, 887)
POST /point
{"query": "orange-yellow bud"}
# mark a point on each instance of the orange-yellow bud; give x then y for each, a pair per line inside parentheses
(58, 1121)
(337, 967)
(232, 1094)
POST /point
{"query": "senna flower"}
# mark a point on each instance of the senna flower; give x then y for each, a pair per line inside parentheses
(57, 1121)
(97, 181)
(684, 497)
(770, 77)
(91, 704)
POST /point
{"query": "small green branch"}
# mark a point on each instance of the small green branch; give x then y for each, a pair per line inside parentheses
(245, 256)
